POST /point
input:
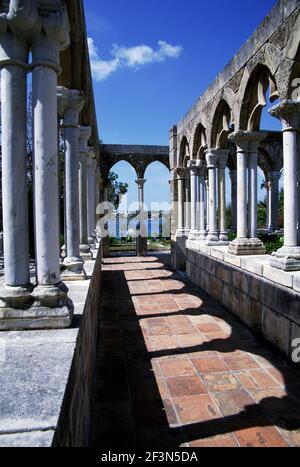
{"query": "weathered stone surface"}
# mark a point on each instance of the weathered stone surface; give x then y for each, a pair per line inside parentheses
(276, 329)
(33, 439)
(278, 276)
(231, 299)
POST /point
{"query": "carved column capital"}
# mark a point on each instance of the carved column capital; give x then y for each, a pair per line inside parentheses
(288, 112)
(212, 158)
(247, 141)
(70, 103)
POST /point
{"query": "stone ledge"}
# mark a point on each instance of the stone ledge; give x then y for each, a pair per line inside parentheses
(44, 372)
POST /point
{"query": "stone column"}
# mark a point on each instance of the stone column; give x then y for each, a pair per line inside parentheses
(233, 177)
(193, 167)
(201, 204)
(207, 203)
(274, 200)
(288, 257)
(141, 240)
(255, 138)
(84, 135)
(222, 164)
(50, 37)
(242, 245)
(180, 202)
(70, 104)
(212, 164)
(187, 202)
(91, 208)
(269, 206)
(13, 62)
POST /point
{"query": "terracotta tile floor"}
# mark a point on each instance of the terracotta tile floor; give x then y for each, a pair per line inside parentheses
(174, 368)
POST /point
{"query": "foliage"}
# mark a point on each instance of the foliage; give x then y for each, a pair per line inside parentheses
(116, 189)
(262, 215)
(272, 242)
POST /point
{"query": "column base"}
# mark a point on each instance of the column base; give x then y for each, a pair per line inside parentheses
(287, 259)
(92, 242)
(85, 252)
(47, 308)
(246, 247)
(223, 237)
(213, 239)
(193, 235)
(72, 269)
(141, 246)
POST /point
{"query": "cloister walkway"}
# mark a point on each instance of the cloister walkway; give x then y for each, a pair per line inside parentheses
(174, 368)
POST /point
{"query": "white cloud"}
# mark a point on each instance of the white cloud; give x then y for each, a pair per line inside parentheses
(130, 57)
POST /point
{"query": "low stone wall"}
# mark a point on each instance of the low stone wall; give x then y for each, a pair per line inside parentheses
(47, 376)
(262, 303)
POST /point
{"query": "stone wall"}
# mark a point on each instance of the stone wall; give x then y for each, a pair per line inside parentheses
(263, 304)
(75, 419)
(47, 376)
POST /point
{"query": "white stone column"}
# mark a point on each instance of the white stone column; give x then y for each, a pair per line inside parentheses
(70, 104)
(180, 201)
(222, 164)
(141, 240)
(207, 204)
(201, 228)
(255, 138)
(245, 142)
(212, 164)
(84, 136)
(194, 175)
(51, 36)
(187, 202)
(91, 208)
(13, 62)
(233, 177)
(274, 200)
(288, 257)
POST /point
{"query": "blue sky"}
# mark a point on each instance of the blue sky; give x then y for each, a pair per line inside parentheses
(154, 59)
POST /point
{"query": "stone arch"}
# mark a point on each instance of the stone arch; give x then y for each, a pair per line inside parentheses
(110, 165)
(222, 125)
(184, 152)
(199, 144)
(254, 97)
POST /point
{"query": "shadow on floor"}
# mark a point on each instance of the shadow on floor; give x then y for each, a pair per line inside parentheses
(184, 375)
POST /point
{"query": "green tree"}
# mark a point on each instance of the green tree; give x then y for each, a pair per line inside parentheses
(116, 189)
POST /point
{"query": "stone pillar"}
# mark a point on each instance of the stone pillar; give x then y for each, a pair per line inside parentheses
(233, 177)
(187, 202)
(50, 37)
(245, 142)
(207, 204)
(141, 240)
(202, 200)
(212, 164)
(255, 138)
(160, 219)
(180, 201)
(91, 208)
(273, 200)
(222, 164)
(70, 104)
(84, 135)
(194, 175)
(288, 257)
(13, 62)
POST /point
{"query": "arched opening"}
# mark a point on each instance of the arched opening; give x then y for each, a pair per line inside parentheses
(157, 206)
(260, 95)
(222, 125)
(122, 196)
